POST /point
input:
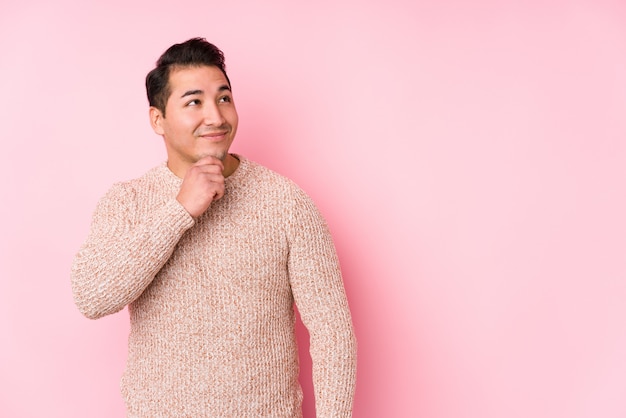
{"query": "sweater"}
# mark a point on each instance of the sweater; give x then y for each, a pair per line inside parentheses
(211, 300)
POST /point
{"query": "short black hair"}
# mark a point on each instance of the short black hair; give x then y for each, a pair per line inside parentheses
(191, 53)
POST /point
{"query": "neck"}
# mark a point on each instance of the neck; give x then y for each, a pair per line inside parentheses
(230, 165)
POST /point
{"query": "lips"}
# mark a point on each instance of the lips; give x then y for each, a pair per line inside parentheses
(214, 136)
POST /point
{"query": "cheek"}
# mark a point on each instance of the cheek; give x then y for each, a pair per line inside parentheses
(233, 118)
(183, 124)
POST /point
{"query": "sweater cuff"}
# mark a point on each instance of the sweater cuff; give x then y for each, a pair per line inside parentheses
(178, 217)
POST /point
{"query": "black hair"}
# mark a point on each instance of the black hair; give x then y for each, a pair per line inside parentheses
(191, 53)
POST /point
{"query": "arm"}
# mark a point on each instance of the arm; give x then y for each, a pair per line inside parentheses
(320, 296)
(124, 251)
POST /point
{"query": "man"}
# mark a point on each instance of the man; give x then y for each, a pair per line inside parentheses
(210, 251)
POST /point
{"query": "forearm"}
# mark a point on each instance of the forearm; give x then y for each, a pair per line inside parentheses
(333, 347)
(334, 352)
(112, 269)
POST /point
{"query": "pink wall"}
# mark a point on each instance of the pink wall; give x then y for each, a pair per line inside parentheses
(470, 160)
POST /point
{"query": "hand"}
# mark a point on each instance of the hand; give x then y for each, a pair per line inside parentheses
(203, 183)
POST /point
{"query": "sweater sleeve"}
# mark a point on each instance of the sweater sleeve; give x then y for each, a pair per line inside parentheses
(319, 294)
(123, 253)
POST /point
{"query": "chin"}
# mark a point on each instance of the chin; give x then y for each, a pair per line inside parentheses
(220, 155)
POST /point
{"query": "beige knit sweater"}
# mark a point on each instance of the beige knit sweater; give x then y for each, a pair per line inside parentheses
(211, 300)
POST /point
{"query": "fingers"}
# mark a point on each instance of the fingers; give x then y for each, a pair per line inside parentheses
(207, 177)
(209, 160)
(203, 183)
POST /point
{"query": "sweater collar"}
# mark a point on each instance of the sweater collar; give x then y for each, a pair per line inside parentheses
(174, 181)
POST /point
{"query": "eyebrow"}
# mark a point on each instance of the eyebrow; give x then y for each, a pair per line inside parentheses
(191, 93)
(225, 87)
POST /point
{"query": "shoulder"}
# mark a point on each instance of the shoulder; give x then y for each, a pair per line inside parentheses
(257, 171)
(283, 192)
(258, 176)
(275, 190)
(158, 177)
(127, 191)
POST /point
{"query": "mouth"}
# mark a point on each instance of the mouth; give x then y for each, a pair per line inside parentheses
(214, 136)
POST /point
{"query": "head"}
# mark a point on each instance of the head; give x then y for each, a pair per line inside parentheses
(191, 104)
(192, 53)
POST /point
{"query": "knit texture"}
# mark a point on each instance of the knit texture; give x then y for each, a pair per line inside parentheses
(211, 300)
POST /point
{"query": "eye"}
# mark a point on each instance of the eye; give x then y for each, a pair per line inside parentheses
(225, 99)
(194, 102)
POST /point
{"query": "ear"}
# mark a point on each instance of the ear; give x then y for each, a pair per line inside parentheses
(156, 120)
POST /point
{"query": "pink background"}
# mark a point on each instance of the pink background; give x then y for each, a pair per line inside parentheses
(470, 160)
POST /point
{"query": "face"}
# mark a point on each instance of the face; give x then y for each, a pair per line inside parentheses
(200, 117)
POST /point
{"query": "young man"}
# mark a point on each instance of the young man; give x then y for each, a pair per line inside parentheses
(210, 251)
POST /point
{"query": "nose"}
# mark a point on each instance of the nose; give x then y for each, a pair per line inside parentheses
(212, 115)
